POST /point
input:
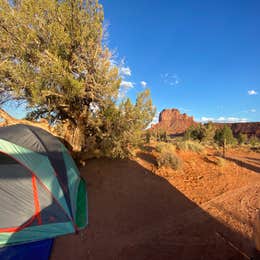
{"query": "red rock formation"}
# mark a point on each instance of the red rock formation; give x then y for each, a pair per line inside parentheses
(173, 122)
(250, 128)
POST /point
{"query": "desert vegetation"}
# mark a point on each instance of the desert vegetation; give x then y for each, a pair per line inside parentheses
(55, 61)
(198, 139)
(167, 156)
(212, 136)
(188, 145)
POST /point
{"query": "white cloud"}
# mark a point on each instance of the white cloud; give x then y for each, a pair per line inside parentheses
(155, 120)
(206, 119)
(223, 119)
(143, 84)
(252, 92)
(124, 87)
(127, 84)
(253, 110)
(236, 119)
(125, 71)
(170, 79)
(232, 119)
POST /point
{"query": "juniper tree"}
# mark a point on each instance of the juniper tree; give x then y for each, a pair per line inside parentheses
(224, 137)
(53, 57)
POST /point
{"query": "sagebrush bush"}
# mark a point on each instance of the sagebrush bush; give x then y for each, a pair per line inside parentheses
(167, 156)
(169, 159)
(190, 146)
(165, 147)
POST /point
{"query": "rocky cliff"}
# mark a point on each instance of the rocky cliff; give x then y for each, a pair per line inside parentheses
(250, 128)
(173, 122)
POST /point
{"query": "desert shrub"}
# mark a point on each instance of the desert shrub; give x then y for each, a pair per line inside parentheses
(167, 156)
(190, 146)
(188, 133)
(234, 143)
(169, 159)
(254, 141)
(210, 130)
(160, 147)
(241, 138)
(161, 135)
(224, 136)
(176, 140)
(195, 133)
(201, 133)
(148, 136)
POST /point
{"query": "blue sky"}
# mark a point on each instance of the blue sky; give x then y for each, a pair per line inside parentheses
(202, 57)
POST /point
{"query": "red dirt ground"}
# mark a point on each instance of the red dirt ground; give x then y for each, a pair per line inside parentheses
(206, 210)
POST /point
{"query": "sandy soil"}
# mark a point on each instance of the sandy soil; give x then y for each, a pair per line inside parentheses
(206, 210)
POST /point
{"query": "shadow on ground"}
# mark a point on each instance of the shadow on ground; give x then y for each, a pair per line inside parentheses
(147, 157)
(250, 163)
(134, 214)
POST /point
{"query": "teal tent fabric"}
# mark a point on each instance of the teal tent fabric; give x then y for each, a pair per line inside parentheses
(42, 193)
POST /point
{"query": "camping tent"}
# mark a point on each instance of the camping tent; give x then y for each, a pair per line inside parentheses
(41, 193)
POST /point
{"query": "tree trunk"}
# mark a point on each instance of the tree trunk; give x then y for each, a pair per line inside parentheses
(224, 148)
(73, 137)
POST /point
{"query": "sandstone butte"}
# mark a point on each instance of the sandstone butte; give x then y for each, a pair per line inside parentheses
(175, 123)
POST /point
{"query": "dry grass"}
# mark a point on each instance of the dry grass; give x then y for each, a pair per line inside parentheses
(190, 146)
(162, 146)
(167, 157)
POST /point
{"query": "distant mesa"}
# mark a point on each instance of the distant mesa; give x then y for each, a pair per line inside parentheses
(249, 128)
(175, 123)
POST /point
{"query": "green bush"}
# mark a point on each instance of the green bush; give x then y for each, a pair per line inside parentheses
(190, 146)
(169, 159)
(201, 133)
(210, 131)
(148, 136)
(195, 133)
(224, 136)
(242, 138)
(254, 141)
